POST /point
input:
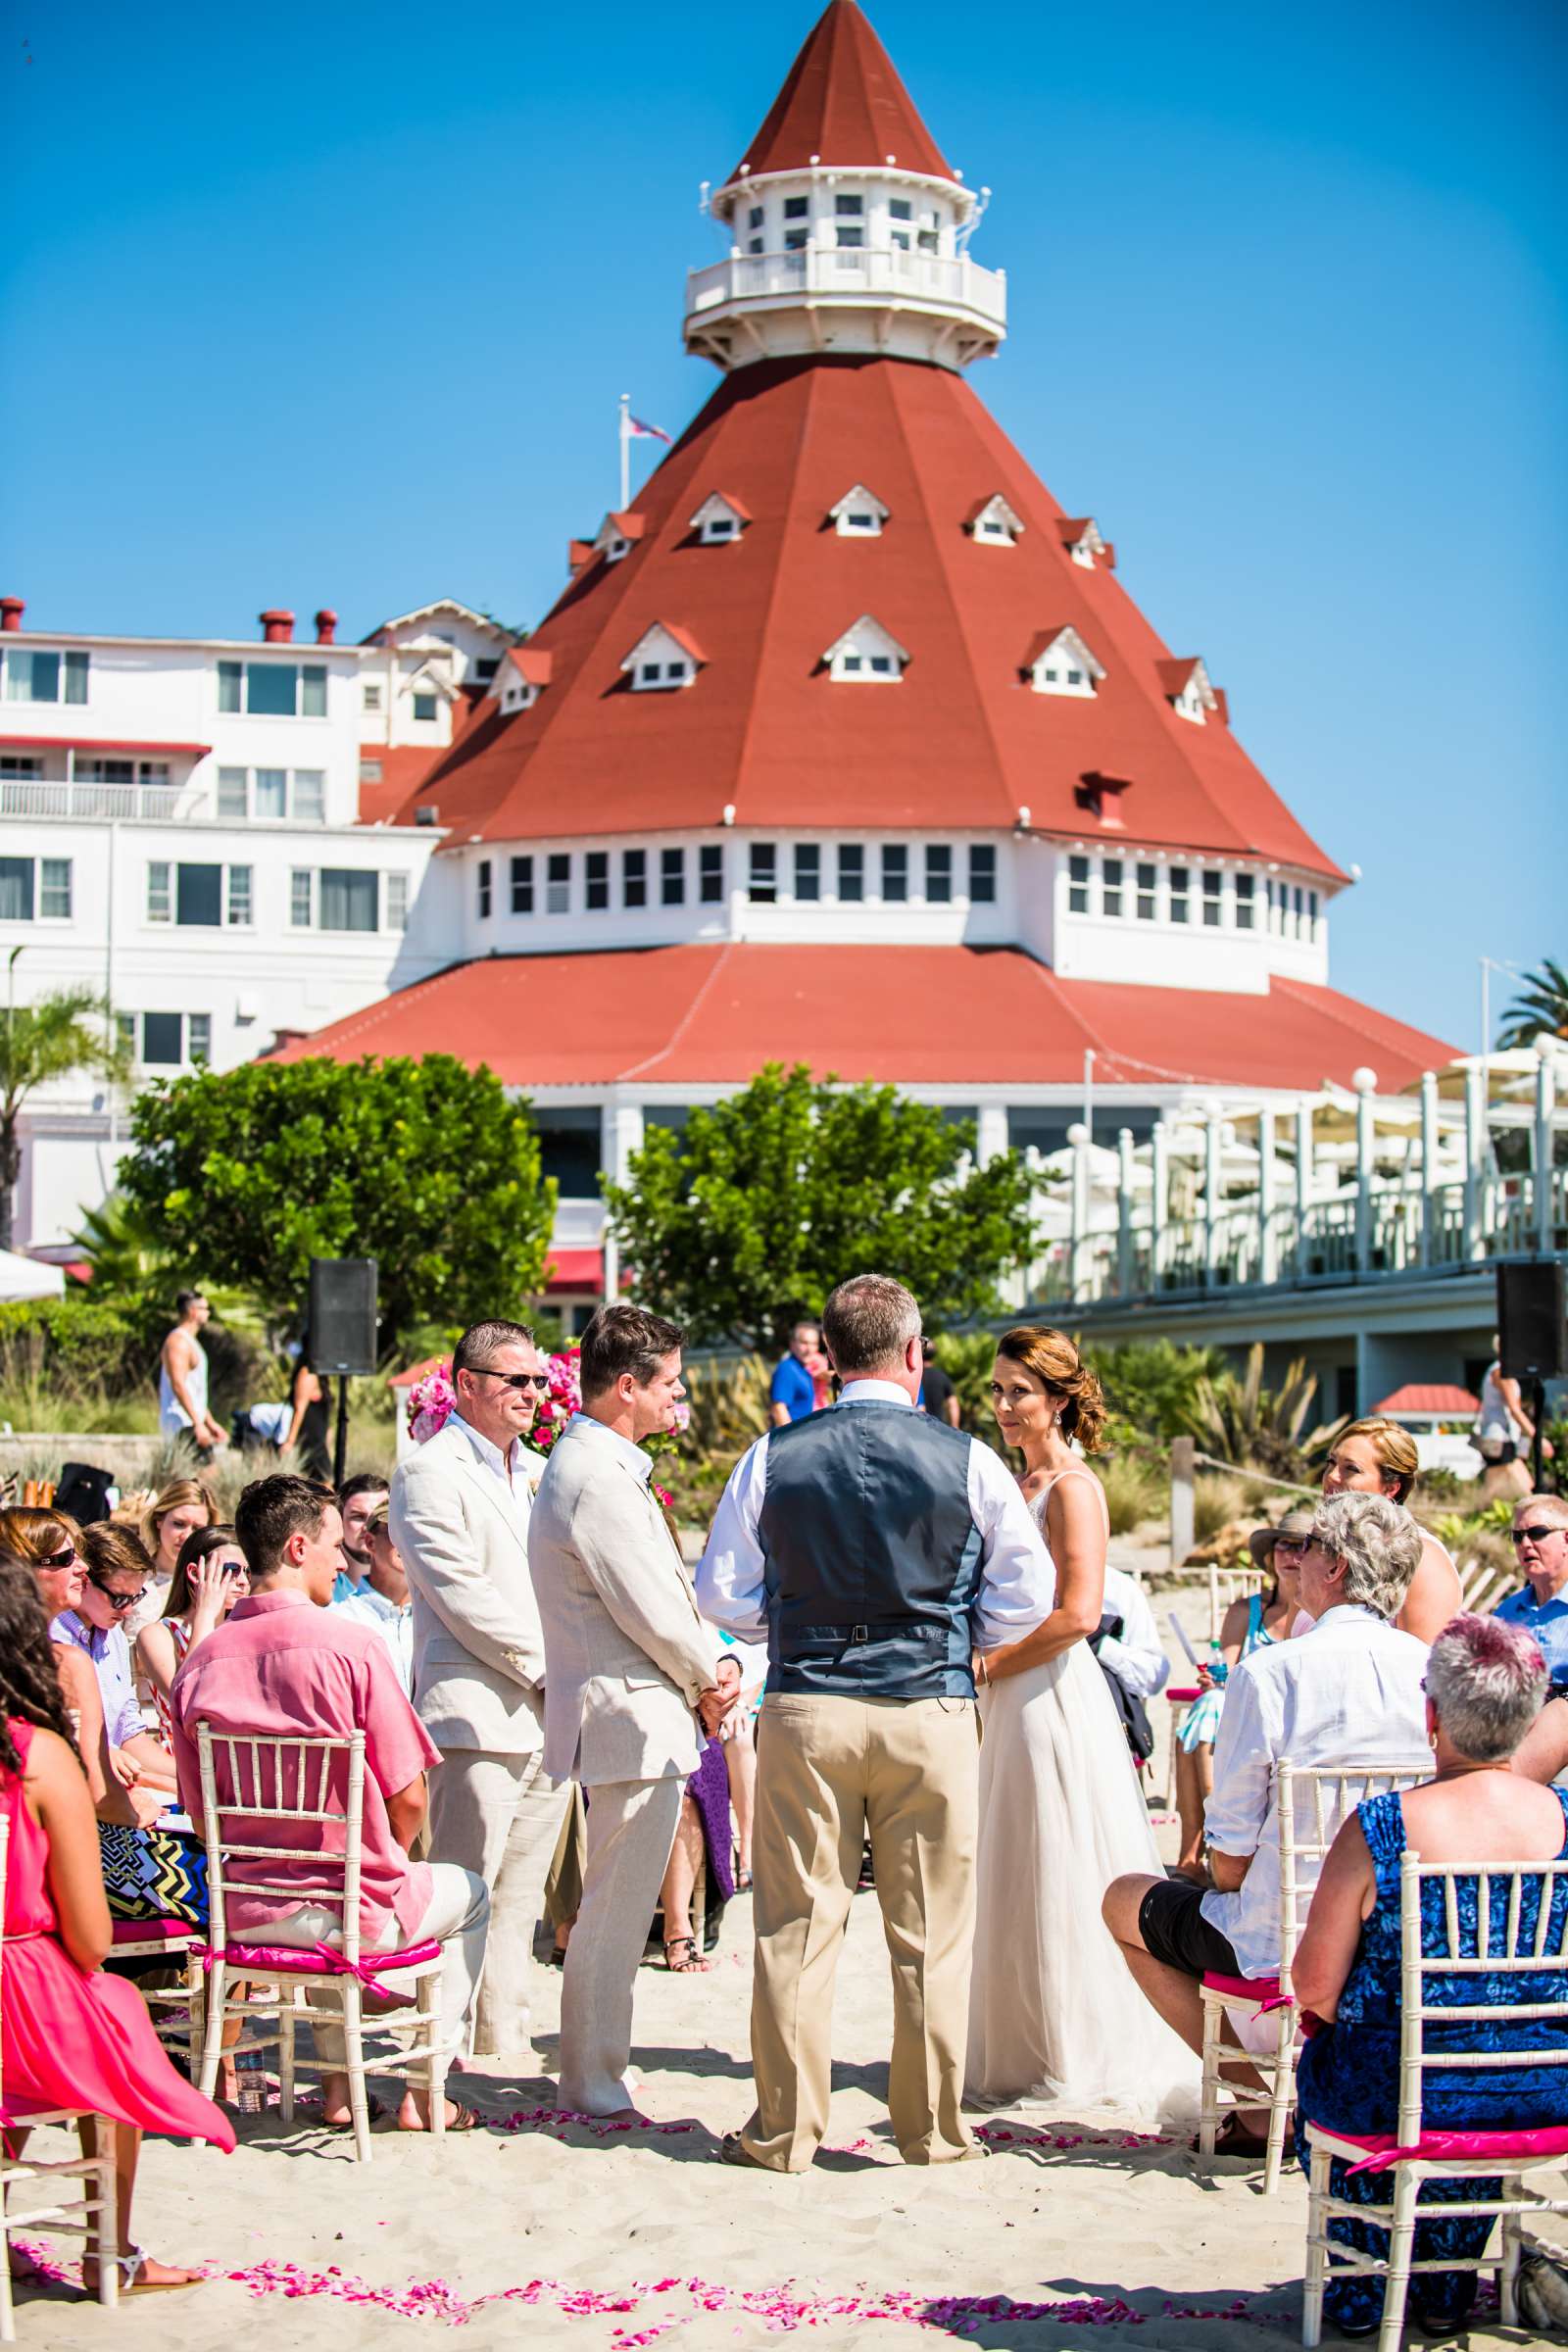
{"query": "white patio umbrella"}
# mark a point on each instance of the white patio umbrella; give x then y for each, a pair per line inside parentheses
(29, 1278)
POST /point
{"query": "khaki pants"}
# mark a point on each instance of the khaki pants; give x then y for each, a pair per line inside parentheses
(500, 1816)
(831, 1772)
(631, 1829)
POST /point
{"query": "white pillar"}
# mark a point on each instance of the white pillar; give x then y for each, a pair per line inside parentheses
(1268, 1256)
(1078, 1137)
(1365, 1083)
(1303, 1180)
(1546, 1105)
(1475, 1146)
(1158, 1200)
(1213, 1189)
(622, 1135)
(990, 1133)
(1428, 1165)
(1124, 1213)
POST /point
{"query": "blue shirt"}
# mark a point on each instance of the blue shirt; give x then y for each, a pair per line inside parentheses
(1546, 1620)
(793, 1389)
(110, 1653)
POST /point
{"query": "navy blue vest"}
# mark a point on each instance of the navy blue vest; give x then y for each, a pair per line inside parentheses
(871, 1559)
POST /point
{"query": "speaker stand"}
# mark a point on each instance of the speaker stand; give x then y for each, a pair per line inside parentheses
(340, 1450)
(1538, 1409)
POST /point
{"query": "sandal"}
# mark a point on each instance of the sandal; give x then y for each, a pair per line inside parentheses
(1236, 2138)
(694, 1965)
(129, 2263)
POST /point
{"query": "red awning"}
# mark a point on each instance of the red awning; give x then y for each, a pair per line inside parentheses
(574, 1270)
(103, 743)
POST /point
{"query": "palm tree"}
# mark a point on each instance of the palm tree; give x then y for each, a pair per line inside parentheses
(54, 1038)
(1541, 1003)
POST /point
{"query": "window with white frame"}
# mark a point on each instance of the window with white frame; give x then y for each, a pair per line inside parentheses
(274, 689)
(900, 218)
(808, 869)
(718, 521)
(558, 882)
(167, 1040)
(849, 221)
(895, 871)
(866, 654)
(277, 795)
(1214, 898)
(20, 767)
(1077, 885)
(91, 768)
(35, 890)
(982, 874)
(484, 896)
(200, 896)
(995, 524)
(522, 885)
(1181, 880)
(372, 696)
(1147, 892)
(1246, 889)
(672, 877)
(334, 898)
(397, 902)
(32, 675)
(596, 881)
(858, 514)
(661, 661)
(711, 873)
(763, 886)
(1111, 874)
(634, 877)
(938, 873)
(852, 872)
(426, 709)
(1059, 661)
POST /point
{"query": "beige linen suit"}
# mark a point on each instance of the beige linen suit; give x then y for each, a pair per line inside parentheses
(478, 1663)
(627, 1657)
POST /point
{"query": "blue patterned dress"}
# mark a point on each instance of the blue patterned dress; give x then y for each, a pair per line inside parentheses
(1350, 2071)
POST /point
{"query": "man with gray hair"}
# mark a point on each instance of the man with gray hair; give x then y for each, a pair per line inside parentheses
(459, 1516)
(876, 1547)
(1346, 1690)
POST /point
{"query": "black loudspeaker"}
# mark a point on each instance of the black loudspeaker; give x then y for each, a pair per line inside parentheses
(1532, 1307)
(342, 1325)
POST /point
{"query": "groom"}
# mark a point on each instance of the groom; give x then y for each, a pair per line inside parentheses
(877, 1546)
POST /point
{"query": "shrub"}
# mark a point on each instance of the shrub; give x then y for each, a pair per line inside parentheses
(1216, 1501)
(1132, 1490)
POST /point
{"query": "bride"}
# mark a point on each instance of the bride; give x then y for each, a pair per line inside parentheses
(1054, 2013)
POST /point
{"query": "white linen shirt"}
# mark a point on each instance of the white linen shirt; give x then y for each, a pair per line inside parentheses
(1017, 1582)
(394, 1625)
(526, 1470)
(1135, 1656)
(1345, 1692)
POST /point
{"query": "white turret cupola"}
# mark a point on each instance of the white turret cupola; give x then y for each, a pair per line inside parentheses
(847, 229)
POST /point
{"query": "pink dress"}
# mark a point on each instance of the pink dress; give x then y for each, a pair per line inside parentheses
(84, 2042)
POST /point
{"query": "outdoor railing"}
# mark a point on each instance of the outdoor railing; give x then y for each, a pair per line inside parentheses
(842, 273)
(48, 796)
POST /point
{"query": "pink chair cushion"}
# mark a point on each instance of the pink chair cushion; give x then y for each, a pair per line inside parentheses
(319, 1959)
(1185, 1695)
(152, 1931)
(1265, 1989)
(1501, 2148)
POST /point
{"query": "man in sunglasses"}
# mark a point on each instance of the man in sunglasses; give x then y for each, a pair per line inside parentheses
(116, 1580)
(459, 1516)
(1541, 1605)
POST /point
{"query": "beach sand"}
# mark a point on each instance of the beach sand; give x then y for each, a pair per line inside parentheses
(642, 2236)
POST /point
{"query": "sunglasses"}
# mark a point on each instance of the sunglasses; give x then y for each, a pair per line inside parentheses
(516, 1379)
(1535, 1535)
(60, 1559)
(118, 1601)
(1292, 1542)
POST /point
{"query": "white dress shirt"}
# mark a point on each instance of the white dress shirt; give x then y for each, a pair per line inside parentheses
(1017, 1582)
(517, 1475)
(1345, 1692)
(394, 1625)
(1133, 1656)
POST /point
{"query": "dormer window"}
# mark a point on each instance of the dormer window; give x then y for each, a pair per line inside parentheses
(866, 655)
(1080, 536)
(1060, 662)
(858, 514)
(520, 678)
(994, 524)
(617, 536)
(661, 660)
(1188, 690)
(719, 520)
(901, 214)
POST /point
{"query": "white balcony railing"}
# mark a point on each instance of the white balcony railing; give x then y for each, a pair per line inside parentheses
(49, 796)
(850, 274)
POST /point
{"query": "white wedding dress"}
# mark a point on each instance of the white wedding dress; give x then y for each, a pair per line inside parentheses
(1053, 2012)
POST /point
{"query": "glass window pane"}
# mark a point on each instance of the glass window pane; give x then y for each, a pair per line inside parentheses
(272, 689)
(397, 902)
(16, 890)
(672, 877)
(233, 807)
(711, 861)
(852, 871)
(939, 873)
(596, 880)
(309, 795)
(348, 899)
(424, 707)
(76, 677)
(160, 1039)
(558, 882)
(808, 869)
(126, 1025)
(54, 888)
(763, 888)
(522, 886)
(199, 1037)
(983, 874)
(312, 690)
(229, 686)
(45, 678)
(199, 896)
(298, 899)
(895, 871)
(272, 795)
(634, 877)
(482, 883)
(160, 904)
(239, 893)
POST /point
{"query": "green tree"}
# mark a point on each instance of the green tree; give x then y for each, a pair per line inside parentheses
(1541, 1003)
(773, 1196)
(58, 1037)
(425, 1166)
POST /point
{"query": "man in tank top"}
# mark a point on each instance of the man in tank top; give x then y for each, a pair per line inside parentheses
(182, 1376)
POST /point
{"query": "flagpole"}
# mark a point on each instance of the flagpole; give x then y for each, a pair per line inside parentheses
(625, 451)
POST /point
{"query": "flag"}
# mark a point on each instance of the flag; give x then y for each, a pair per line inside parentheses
(639, 431)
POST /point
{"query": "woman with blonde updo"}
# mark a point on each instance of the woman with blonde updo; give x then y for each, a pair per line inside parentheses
(183, 1505)
(1376, 1457)
(1060, 1810)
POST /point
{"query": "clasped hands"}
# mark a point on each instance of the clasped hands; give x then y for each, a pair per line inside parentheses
(713, 1707)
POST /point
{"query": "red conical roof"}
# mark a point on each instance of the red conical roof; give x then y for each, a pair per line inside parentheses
(960, 741)
(842, 103)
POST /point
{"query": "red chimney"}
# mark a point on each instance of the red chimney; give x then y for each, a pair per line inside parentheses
(12, 608)
(326, 627)
(277, 628)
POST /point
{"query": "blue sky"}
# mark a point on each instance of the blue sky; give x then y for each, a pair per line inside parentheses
(308, 306)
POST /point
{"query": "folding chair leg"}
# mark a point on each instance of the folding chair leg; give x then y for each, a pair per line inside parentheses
(1317, 2253)
(1402, 2246)
(1209, 2106)
(285, 2058)
(105, 2238)
(214, 2009)
(195, 2003)
(1512, 2249)
(435, 2065)
(1282, 2091)
(8, 2319)
(359, 2098)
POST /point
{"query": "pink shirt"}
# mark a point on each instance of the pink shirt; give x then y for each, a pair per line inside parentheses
(278, 1666)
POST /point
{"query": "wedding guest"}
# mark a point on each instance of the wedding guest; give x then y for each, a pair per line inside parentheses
(460, 1510)
(359, 1498)
(1348, 1690)
(383, 1600)
(741, 1675)
(285, 1663)
(183, 1504)
(210, 1574)
(1377, 1456)
(1504, 1431)
(1251, 1623)
(1541, 1605)
(182, 1378)
(1485, 1682)
(116, 1578)
(1131, 1658)
(309, 1419)
(701, 1839)
(938, 1395)
(792, 1392)
(73, 2037)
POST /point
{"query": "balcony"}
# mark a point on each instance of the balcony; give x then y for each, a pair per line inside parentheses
(942, 286)
(88, 803)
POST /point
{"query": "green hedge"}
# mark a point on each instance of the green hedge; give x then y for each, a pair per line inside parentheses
(79, 1340)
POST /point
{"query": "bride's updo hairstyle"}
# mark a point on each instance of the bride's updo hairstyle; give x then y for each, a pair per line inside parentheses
(1054, 1359)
